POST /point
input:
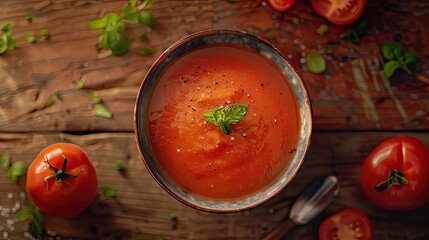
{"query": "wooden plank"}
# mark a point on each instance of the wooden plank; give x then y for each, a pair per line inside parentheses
(142, 208)
(352, 94)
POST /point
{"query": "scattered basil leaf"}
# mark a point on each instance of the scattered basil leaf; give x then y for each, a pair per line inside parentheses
(95, 97)
(11, 43)
(52, 99)
(37, 213)
(28, 17)
(5, 160)
(147, 19)
(271, 35)
(390, 67)
(109, 192)
(35, 229)
(98, 23)
(397, 59)
(411, 57)
(143, 37)
(318, 88)
(354, 35)
(322, 29)
(173, 217)
(44, 33)
(16, 170)
(230, 114)
(30, 38)
(3, 46)
(62, 136)
(130, 13)
(23, 214)
(146, 51)
(316, 63)
(119, 165)
(6, 28)
(295, 20)
(391, 50)
(146, 4)
(118, 43)
(102, 111)
(80, 84)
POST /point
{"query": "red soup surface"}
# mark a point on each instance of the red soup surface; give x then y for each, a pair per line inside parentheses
(197, 155)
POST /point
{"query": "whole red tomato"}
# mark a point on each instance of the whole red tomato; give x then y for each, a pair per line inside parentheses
(61, 181)
(395, 175)
(347, 224)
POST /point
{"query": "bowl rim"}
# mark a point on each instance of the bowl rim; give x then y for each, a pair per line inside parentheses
(138, 131)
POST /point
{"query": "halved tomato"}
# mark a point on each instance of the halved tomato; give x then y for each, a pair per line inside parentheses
(339, 12)
(281, 5)
(349, 224)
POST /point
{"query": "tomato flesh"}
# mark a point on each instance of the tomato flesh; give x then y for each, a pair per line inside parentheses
(65, 195)
(339, 12)
(281, 5)
(406, 155)
(349, 224)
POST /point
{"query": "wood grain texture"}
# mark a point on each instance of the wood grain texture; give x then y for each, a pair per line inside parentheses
(142, 209)
(352, 94)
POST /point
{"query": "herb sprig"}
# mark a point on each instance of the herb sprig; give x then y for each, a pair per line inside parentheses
(223, 117)
(397, 58)
(112, 26)
(6, 40)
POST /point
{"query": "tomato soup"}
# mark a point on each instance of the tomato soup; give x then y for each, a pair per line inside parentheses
(197, 155)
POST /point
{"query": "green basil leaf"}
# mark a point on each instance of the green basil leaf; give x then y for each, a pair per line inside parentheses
(234, 113)
(3, 46)
(35, 229)
(130, 13)
(322, 29)
(37, 214)
(411, 57)
(143, 37)
(98, 23)
(102, 111)
(80, 84)
(6, 28)
(115, 26)
(95, 97)
(146, 51)
(44, 33)
(119, 165)
(112, 17)
(28, 17)
(103, 39)
(147, 19)
(391, 50)
(30, 38)
(5, 160)
(146, 4)
(222, 117)
(11, 43)
(132, 3)
(225, 128)
(109, 192)
(16, 170)
(118, 43)
(389, 68)
(316, 63)
(23, 214)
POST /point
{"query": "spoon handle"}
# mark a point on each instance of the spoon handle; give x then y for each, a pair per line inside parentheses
(280, 230)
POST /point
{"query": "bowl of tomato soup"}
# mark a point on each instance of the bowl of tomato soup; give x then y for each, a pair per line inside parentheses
(223, 120)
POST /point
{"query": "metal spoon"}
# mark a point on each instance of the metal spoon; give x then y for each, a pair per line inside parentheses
(308, 205)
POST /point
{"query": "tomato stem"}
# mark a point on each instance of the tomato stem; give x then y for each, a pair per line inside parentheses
(395, 178)
(60, 174)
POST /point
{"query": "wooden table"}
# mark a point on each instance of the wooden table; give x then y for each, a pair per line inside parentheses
(354, 106)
